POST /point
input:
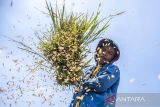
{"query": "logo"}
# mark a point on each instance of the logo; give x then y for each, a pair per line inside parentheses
(111, 99)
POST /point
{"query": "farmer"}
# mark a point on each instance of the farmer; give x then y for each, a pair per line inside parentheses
(98, 87)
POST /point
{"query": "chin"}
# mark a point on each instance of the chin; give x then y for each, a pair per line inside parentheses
(102, 62)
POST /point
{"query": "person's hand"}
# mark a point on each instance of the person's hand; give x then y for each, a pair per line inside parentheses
(80, 97)
(76, 89)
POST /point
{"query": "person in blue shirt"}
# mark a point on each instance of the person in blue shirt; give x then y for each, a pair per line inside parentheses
(98, 86)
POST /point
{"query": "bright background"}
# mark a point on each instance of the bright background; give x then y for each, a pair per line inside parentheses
(136, 32)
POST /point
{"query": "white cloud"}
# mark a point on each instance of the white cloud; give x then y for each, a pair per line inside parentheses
(158, 77)
(132, 80)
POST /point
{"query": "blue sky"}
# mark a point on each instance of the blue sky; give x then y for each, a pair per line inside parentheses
(136, 32)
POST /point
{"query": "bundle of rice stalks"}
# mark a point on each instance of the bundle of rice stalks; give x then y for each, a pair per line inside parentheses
(66, 44)
(62, 50)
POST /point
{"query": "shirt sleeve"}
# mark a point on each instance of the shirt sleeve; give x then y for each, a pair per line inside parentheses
(104, 81)
(84, 77)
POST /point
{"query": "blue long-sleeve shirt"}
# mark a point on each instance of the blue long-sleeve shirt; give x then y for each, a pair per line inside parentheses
(102, 88)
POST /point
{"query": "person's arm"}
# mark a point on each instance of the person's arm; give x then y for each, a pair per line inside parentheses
(84, 77)
(104, 81)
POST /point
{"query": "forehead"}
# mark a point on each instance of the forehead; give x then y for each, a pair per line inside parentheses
(108, 48)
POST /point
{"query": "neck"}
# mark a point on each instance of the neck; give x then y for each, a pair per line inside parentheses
(99, 65)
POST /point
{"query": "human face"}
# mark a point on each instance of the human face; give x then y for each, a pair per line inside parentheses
(105, 55)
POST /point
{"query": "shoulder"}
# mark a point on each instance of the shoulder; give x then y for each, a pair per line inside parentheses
(112, 68)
